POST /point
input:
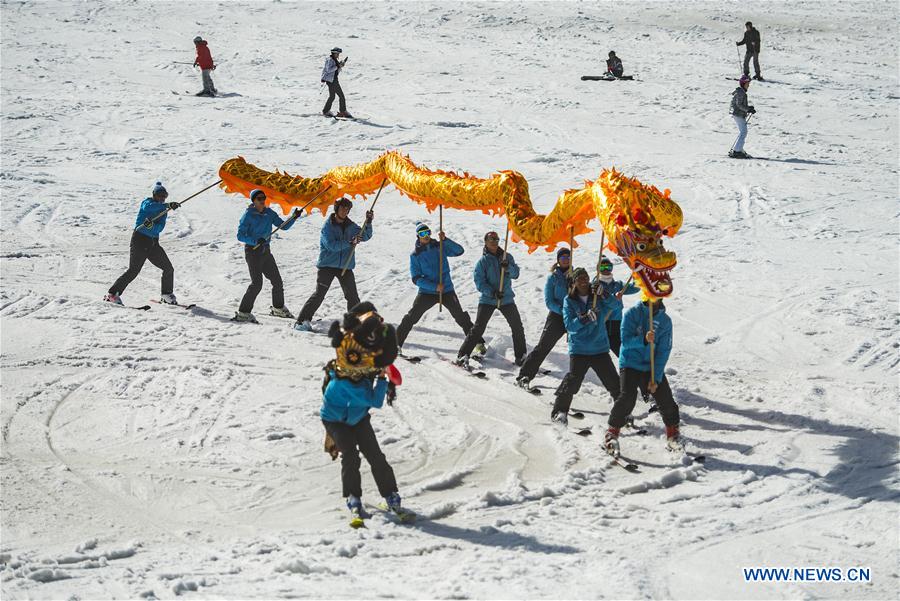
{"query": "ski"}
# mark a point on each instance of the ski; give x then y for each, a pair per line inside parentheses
(583, 431)
(529, 389)
(404, 516)
(136, 308)
(411, 358)
(468, 368)
(189, 306)
(624, 464)
(576, 414)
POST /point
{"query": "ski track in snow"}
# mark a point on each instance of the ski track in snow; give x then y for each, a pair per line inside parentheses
(175, 453)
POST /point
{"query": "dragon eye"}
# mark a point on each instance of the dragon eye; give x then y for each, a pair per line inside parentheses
(641, 246)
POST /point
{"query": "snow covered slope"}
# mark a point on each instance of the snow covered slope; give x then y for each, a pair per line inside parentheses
(174, 452)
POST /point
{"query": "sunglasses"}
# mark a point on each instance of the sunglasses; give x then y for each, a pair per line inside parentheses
(564, 258)
(494, 238)
(424, 234)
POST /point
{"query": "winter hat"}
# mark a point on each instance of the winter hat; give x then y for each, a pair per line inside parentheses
(255, 192)
(159, 190)
(198, 39)
(563, 251)
(574, 274)
(744, 79)
(336, 49)
(421, 227)
(491, 234)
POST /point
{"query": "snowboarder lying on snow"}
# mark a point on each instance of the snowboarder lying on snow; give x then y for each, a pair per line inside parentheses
(426, 273)
(634, 371)
(741, 109)
(609, 291)
(205, 62)
(487, 281)
(588, 347)
(355, 382)
(339, 236)
(255, 231)
(555, 290)
(330, 72)
(145, 246)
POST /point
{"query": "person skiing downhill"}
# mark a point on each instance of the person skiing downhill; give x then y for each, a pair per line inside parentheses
(741, 109)
(330, 73)
(555, 290)
(336, 259)
(588, 347)
(145, 247)
(207, 66)
(434, 283)
(487, 281)
(609, 292)
(255, 231)
(751, 40)
(634, 372)
(355, 381)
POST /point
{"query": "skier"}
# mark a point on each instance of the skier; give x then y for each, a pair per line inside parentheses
(339, 237)
(205, 62)
(255, 231)
(588, 347)
(425, 273)
(555, 290)
(354, 382)
(740, 110)
(333, 66)
(634, 372)
(610, 291)
(752, 41)
(145, 247)
(487, 281)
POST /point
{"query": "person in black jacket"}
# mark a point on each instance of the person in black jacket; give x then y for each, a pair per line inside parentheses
(751, 41)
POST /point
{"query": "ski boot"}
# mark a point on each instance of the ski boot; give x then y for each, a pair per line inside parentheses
(462, 362)
(168, 299)
(480, 350)
(244, 317)
(611, 442)
(524, 382)
(673, 440)
(344, 115)
(560, 418)
(327, 114)
(303, 326)
(354, 504)
(280, 312)
(113, 298)
(392, 504)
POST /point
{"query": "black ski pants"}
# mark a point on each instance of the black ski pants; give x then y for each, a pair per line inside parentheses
(334, 89)
(578, 367)
(748, 54)
(554, 329)
(630, 381)
(144, 248)
(261, 263)
(324, 279)
(424, 302)
(614, 333)
(511, 313)
(350, 441)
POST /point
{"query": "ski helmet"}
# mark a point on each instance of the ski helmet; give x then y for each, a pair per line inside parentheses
(744, 79)
(198, 39)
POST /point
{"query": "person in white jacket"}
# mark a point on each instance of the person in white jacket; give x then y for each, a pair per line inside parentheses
(330, 77)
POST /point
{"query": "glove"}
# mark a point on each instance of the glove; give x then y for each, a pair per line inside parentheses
(504, 263)
(355, 240)
(261, 242)
(751, 110)
(370, 215)
(174, 205)
(148, 223)
(588, 316)
(296, 214)
(498, 294)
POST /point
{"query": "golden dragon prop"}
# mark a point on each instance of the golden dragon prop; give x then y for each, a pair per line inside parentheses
(634, 216)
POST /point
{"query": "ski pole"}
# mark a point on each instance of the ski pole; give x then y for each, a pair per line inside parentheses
(441, 257)
(600, 258)
(740, 63)
(148, 223)
(502, 268)
(365, 225)
(295, 216)
(182, 63)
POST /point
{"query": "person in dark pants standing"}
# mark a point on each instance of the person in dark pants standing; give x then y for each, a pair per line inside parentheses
(339, 236)
(487, 281)
(588, 347)
(634, 372)
(255, 231)
(609, 292)
(752, 41)
(555, 290)
(433, 282)
(145, 247)
(333, 66)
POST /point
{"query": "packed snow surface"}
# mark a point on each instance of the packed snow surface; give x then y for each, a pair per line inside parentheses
(173, 452)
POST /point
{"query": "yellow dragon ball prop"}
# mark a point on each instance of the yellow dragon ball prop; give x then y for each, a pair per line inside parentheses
(634, 216)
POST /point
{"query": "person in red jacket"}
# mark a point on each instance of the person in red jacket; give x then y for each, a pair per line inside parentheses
(205, 62)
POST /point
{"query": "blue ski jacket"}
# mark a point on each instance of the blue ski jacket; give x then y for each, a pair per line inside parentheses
(150, 209)
(609, 308)
(635, 352)
(348, 401)
(255, 225)
(487, 277)
(424, 262)
(585, 338)
(334, 243)
(556, 289)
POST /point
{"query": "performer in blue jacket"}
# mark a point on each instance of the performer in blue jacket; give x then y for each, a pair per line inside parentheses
(634, 368)
(339, 236)
(555, 290)
(588, 347)
(487, 281)
(255, 231)
(432, 281)
(145, 247)
(609, 292)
